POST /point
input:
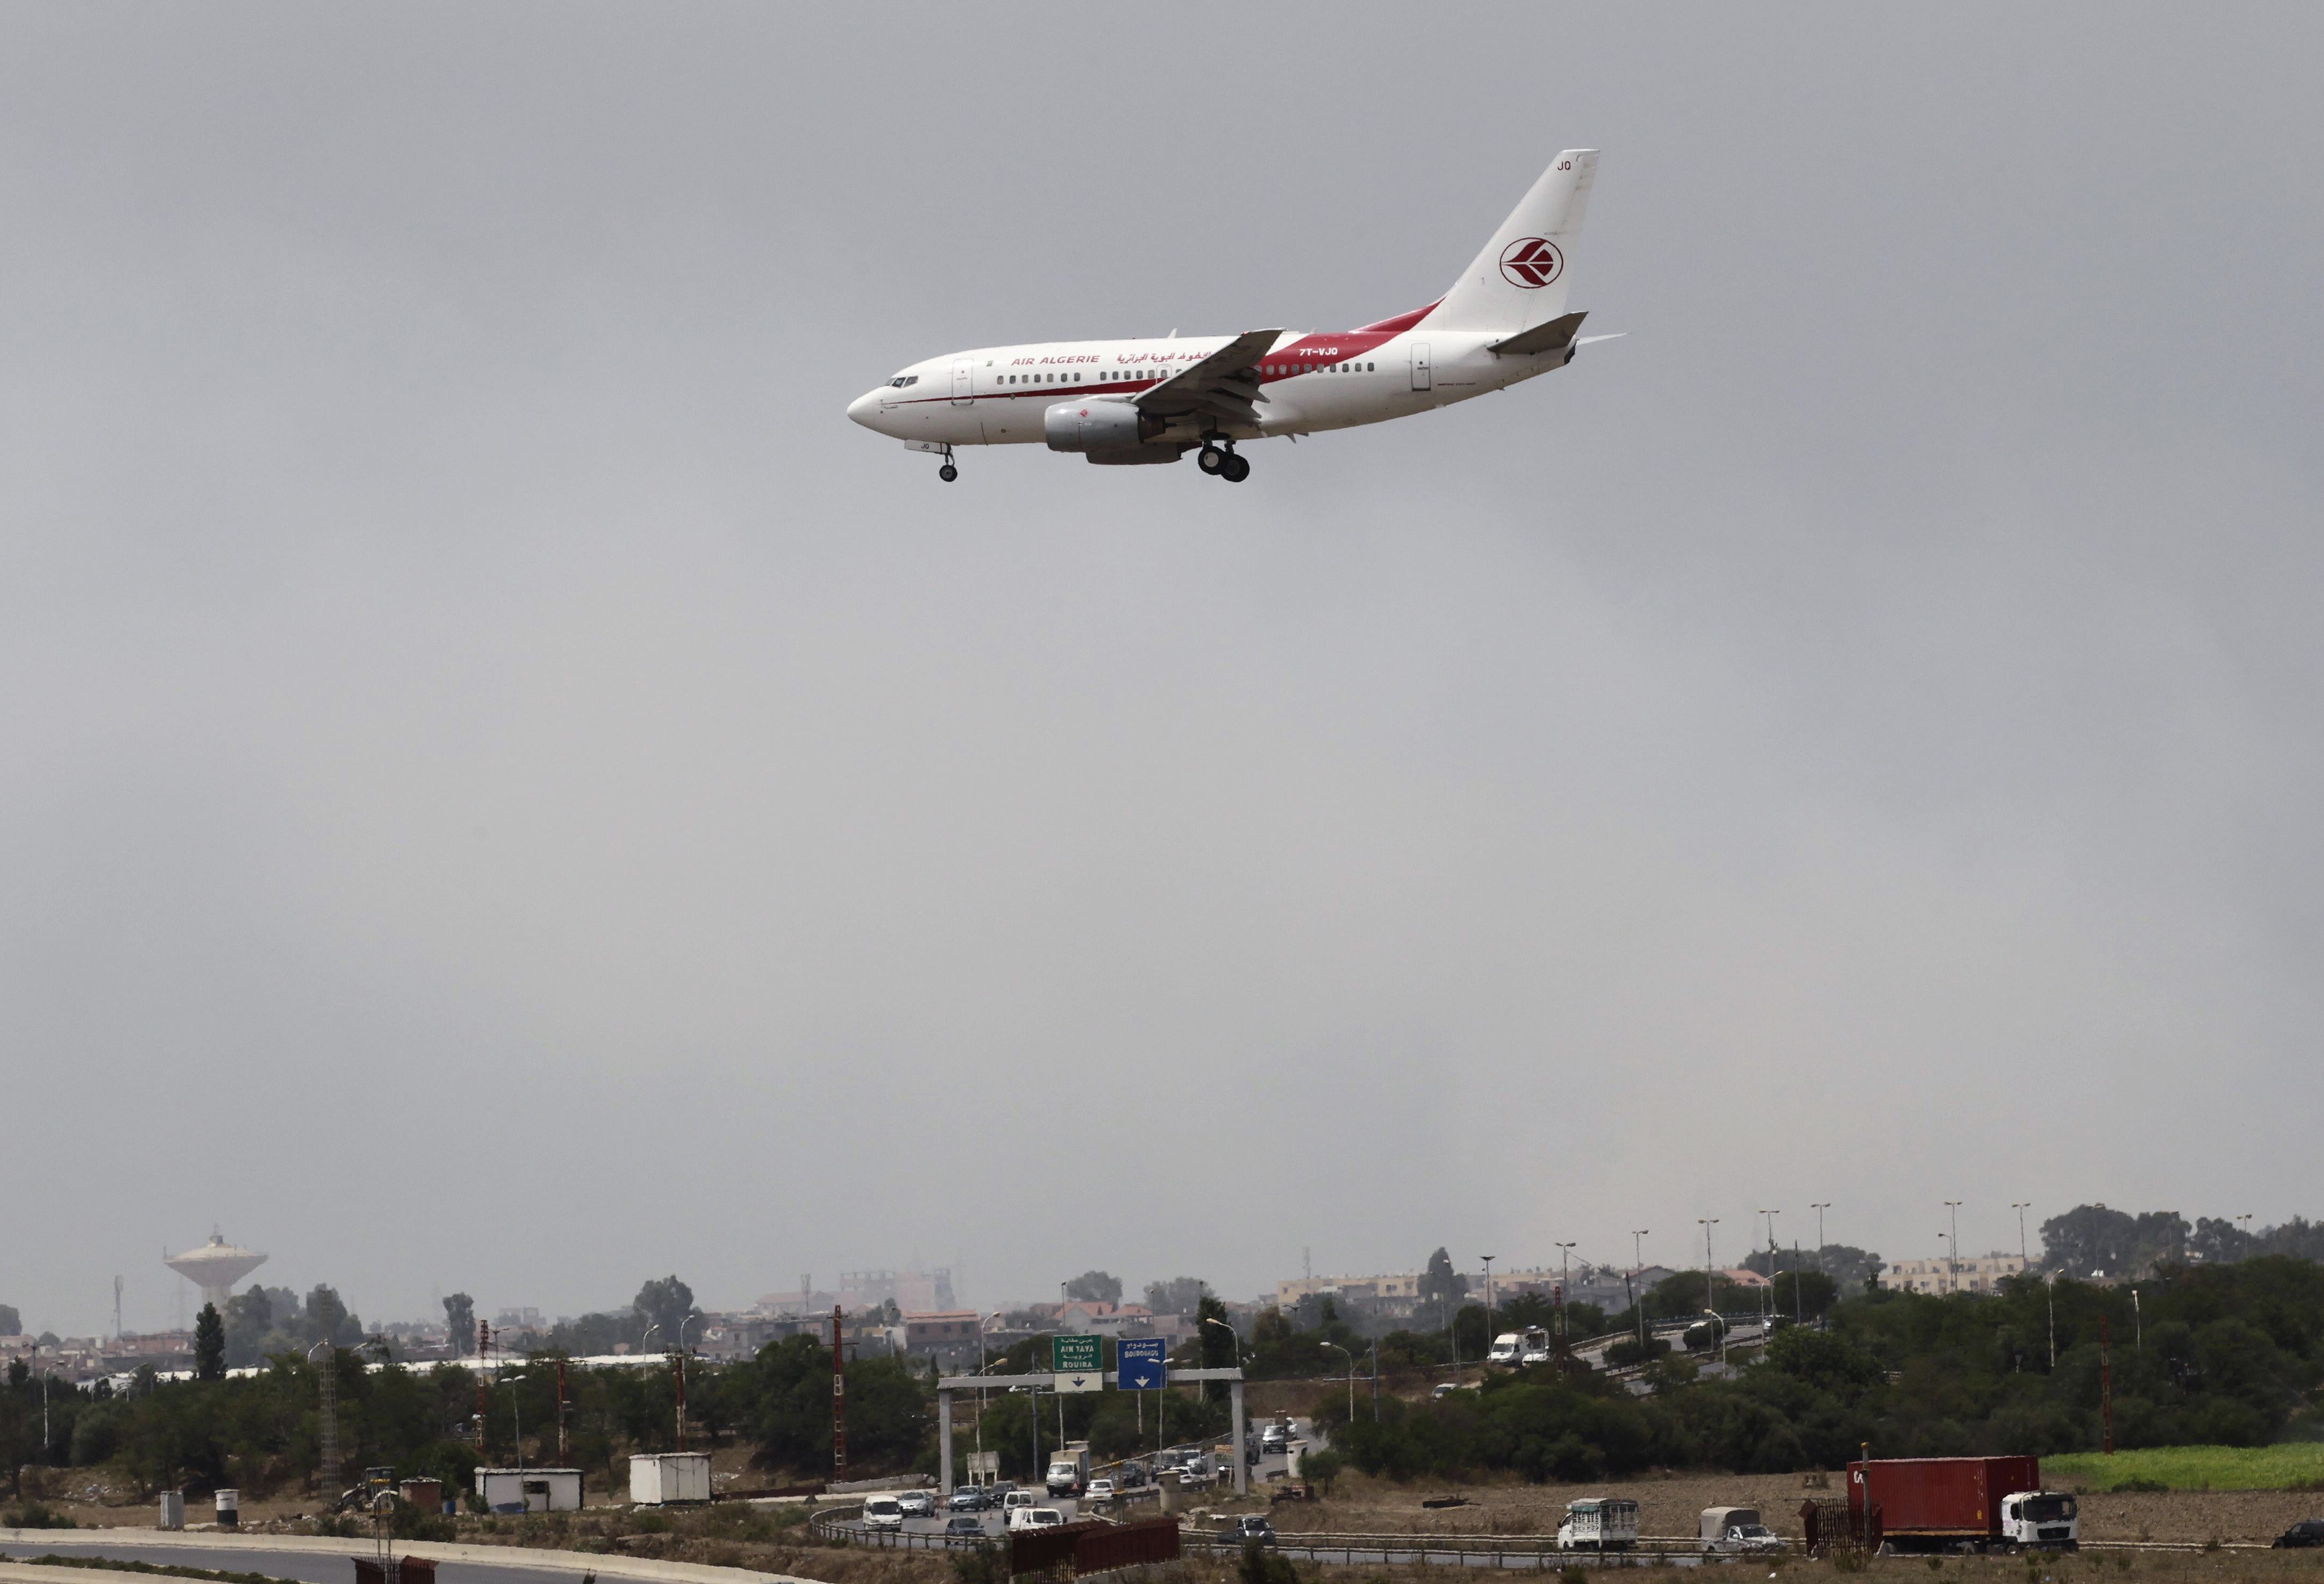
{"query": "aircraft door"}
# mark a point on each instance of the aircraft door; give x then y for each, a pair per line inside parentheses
(1423, 376)
(961, 374)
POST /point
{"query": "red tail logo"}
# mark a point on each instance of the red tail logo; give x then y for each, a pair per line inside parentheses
(1531, 262)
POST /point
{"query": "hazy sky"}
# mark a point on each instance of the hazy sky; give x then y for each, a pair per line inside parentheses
(505, 789)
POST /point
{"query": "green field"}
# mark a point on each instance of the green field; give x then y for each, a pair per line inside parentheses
(2277, 1467)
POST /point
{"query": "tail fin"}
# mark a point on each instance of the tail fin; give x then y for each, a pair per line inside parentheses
(1518, 281)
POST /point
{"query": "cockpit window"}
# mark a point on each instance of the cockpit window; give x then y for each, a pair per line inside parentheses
(901, 380)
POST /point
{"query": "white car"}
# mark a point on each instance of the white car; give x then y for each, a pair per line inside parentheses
(1750, 1540)
(1035, 1518)
(1101, 1490)
(883, 1512)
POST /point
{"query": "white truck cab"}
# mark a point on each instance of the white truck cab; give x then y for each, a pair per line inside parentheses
(2041, 1520)
(1736, 1531)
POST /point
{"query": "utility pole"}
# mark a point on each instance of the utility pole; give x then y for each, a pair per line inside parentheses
(117, 1308)
(2054, 1322)
(839, 1401)
(1952, 1267)
(1564, 1278)
(1820, 1207)
(1489, 1323)
(1768, 1308)
(1711, 1286)
(564, 1453)
(2021, 1206)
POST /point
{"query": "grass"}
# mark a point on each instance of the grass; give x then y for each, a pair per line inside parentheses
(2291, 1466)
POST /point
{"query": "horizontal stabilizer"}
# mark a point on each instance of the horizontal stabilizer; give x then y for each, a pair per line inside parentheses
(1553, 337)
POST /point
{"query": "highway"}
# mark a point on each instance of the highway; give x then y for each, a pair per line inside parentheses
(315, 1560)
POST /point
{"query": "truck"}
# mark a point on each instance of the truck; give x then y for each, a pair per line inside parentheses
(1518, 1348)
(1960, 1504)
(1736, 1531)
(1599, 1523)
(1069, 1468)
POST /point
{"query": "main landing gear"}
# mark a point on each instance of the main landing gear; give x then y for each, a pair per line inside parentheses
(1222, 461)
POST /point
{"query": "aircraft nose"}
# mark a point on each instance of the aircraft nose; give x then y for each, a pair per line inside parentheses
(865, 408)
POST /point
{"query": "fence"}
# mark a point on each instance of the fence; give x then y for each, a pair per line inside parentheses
(1070, 1550)
(397, 1570)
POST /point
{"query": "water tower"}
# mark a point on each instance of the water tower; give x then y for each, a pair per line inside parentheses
(215, 1267)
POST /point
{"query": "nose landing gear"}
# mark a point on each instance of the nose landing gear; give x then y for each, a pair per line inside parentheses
(1222, 460)
(947, 472)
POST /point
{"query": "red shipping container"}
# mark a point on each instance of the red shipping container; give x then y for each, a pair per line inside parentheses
(1938, 1498)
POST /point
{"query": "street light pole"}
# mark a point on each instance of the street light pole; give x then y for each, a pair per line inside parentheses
(1637, 1268)
(1952, 1270)
(1711, 1286)
(1767, 1309)
(1564, 1339)
(1352, 1379)
(1489, 1325)
(1820, 1207)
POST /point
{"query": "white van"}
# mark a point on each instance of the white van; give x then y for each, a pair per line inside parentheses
(1035, 1518)
(1016, 1502)
(883, 1512)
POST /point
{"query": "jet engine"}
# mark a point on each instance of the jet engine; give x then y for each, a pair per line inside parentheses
(1098, 424)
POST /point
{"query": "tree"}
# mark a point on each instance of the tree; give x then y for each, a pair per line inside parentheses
(1178, 1295)
(327, 1320)
(1441, 1286)
(460, 1324)
(1095, 1287)
(209, 1345)
(667, 1303)
(2093, 1240)
(12, 1324)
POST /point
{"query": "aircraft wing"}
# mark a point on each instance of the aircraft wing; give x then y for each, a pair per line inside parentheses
(1225, 385)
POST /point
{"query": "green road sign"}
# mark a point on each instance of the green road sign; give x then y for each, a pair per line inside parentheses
(1074, 1354)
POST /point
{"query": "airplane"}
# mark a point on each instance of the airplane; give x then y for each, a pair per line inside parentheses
(1153, 400)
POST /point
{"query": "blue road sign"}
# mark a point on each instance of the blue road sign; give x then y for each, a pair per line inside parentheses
(1140, 1364)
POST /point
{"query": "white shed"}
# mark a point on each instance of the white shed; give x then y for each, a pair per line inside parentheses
(530, 1490)
(658, 1479)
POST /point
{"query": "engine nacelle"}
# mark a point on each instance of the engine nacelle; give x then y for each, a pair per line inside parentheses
(1098, 424)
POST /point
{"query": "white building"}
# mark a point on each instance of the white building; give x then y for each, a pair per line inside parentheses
(1980, 1273)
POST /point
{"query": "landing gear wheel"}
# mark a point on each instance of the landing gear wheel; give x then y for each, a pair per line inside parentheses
(947, 473)
(1210, 458)
(1235, 468)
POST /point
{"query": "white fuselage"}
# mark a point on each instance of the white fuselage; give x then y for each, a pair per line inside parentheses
(996, 395)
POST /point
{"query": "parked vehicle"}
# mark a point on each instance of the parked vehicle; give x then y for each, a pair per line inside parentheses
(2308, 1531)
(1443, 1390)
(1961, 1503)
(1598, 1524)
(963, 1525)
(883, 1512)
(917, 1504)
(1518, 1348)
(1069, 1468)
(1035, 1518)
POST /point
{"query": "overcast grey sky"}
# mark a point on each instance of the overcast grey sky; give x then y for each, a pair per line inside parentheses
(506, 789)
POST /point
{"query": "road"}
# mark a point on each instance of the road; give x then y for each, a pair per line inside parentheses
(320, 1561)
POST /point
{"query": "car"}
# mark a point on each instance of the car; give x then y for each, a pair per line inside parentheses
(1101, 1489)
(2307, 1533)
(1444, 1390)
(1275, 1438)
(1748, 1539)
(1135, 1476)
(969, 1498)
(1014, 1501)
(1035, 1518)
(1252, 1528)
(964, 1524)
(917, 1504)
(883, 1512)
